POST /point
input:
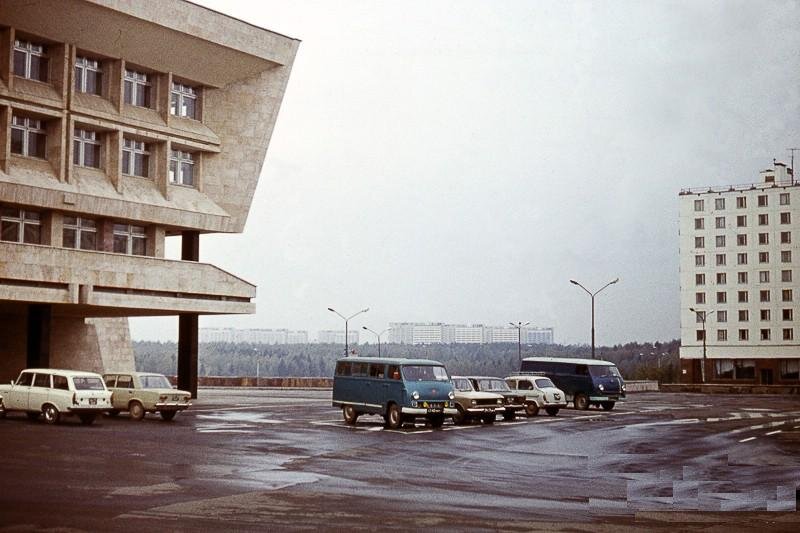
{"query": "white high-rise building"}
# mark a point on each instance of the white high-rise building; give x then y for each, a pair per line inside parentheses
(739, 270)
(330, 336)
(255, 336)
(439, 333)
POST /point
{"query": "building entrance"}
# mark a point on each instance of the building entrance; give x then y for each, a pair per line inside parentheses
(766, 376)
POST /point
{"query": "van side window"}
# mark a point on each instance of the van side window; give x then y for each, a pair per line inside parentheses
(343, 368)
(26, 378)
(110, 381)
(42, 380)
(525, 385)
(582, 370)
(360, 369)
(394, 372)
(377, 370)
(60, 382)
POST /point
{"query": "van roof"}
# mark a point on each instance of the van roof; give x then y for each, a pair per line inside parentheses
(575, 361)
(390, 360)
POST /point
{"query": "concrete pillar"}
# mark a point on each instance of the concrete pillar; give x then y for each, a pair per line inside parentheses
(39, 326)
(188, 324)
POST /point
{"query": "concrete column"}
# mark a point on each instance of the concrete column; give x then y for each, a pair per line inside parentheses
(39, 326)
(188, 324)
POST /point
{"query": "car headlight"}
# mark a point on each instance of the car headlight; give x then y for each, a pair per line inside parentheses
(451, 395)
(473, 402)
(601, 387)
(415, 395)
(499, 402)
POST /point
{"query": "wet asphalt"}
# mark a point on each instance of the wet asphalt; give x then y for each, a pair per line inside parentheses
(265, 460)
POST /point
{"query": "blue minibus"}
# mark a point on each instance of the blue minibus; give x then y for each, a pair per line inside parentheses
(585, 382)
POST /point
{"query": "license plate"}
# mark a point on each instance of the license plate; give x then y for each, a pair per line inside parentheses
(92, 401)
(489, 410)
(435, 410)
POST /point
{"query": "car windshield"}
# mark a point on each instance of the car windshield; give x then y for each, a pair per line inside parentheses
(462, 384)
(543, 383)
(605, 371)
(425, 373)
(88, 383)
(155, 382)
(493, 385)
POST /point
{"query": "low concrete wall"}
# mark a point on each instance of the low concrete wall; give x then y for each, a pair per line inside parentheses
(730, 389)
(641, 386)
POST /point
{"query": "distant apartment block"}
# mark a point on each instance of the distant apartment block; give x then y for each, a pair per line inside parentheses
(255, 336)
(739, 270)
(329, 336)
(440, 333)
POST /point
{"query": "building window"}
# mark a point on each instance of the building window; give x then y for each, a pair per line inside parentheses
(742, 296)
(722, 335)
(790, 369)
(698, 205)
(786, 237)
(183, 103)
(181, 169)
(765, 315)
(699, 242)
(80, 233)
(786, 218)
(722, 297)
(720, 259)
(763, 276)
(700, 298)
(763, 238)
(135, 158)
(787, 314)
(744, 334)
(763, 257)
(720, 222)
(786, 275)
(786, 295)
(741, 259)
(699, 316)
(720, 241)
(699, 260)
(765, 334)
(741, 221)
(741, 239)
(762, 200)
(722, 316)
(699, 279)
(137, 88)
(28, 137)
(784, 198)
(30, 60)
(788, 334)
(735, 368)
(722, 278)
(741, 277)
(744, 315)
(18, 225)
(699, 223)
(764, 295)
(86, 148)
(786, 256)
(763, 219)
(129, 239)
(700, 334)
(719, 203)
(741, 202)
(88, 76)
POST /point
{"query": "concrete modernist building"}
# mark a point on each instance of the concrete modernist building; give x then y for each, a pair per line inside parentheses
(739, 271)
(439, 333)
(122, 123)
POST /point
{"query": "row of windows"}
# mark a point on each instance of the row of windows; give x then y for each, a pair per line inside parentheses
(741, 221)
(743, 296)
(744, 334)
(31, 62)
(741, 258)
(741, 239)
(742, 277)
(789, 369)
(25, 226)
(29, 138)
(744, 315)
(741, 202)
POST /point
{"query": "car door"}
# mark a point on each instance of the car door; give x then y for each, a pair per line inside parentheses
(39, 391)
(17, 397)
(123, 392)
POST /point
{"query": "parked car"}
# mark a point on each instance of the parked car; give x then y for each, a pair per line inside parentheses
(584, 381)
(144, 392)
(55, 393)
(473, 404)
(400, 390)
(540, 392)
(512, 400)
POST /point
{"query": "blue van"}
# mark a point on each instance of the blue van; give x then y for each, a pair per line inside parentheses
(585, 382)
(400, 390)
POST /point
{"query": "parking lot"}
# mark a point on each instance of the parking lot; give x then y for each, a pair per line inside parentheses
(278, 459)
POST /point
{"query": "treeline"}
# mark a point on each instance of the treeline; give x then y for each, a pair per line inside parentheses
(635, 360)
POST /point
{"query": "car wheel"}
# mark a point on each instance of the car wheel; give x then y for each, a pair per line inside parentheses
(394, 418)
(489, 419)
(509, 415)
(33, 416)
(552, 411)
(51, 414)
(168, 415)
(436, 421)
(87, 419)
(136, 410)
(113, 412)
(2, 410)
(350, 414)
(531, 408)
(607, 405)
(461, 416)
(581, 402)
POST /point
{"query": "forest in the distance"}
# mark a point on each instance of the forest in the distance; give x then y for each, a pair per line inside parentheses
(658, 361)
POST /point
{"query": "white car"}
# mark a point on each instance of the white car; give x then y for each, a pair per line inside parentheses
(539, 393)
(55, 393)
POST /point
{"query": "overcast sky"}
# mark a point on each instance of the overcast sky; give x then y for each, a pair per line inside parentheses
(460, 161)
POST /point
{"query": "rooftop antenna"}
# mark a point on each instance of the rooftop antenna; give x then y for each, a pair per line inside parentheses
(792, 151)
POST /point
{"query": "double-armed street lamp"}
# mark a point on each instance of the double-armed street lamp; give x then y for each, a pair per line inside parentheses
(519, 325)
(592, 295)
(377, 335)
(346, 320)
(703, 315)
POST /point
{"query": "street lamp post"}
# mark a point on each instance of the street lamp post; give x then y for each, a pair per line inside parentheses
(377, 335)
(703, 315)
(592, 295)
(346, 320)
(519, 325)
